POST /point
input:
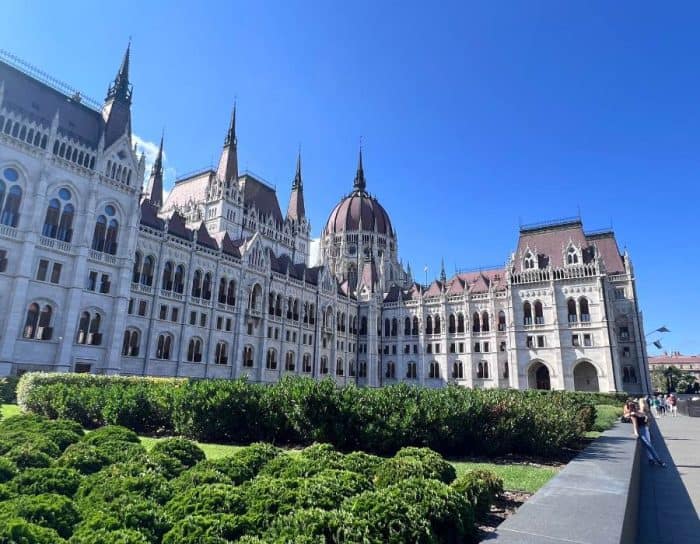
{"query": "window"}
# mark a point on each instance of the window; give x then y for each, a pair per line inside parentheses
(451, 324)
(193, 318)
(228, 323)
(289, 361)
(434, 370)
(206, 287)
(130, 345)
(194, 351)
(415, 327)
(477, 347)
(428, 348)
(501, 321)
(249, 329)
(167, 280)
(528, 261)
(629, 374)
(461, 347)
(485, 322)
(390, 370)
(277, 333)
(571, 256)
(163, 312)
(271, 361)
(142, 307)
(540, 341)
(460, 322)
(575, 340)
(174, 315)
(147, 271)
(437, 348)
(486, 347)
(626, 352)
(324, 365)
(539, 314)
(571, 310)
(105, 284)
(58, 221)
(89, 329)
(527, 314)
(351, 369)
(197, 284)
(202, 320)
(179, 282)
(287, 335)
(339, 367)
(306, 363)
(429, 325)
(362, 371)
(458, 370)
(92, 281)
(436, 328)
(482, 370)
(164, 346)
(3, 260)
(10, 197)
(411, 371)
(407, 326)
(624, 334)
(583, 308)
(104, 236)
(502, 346)
(587, 340)
(530, 341)
(219, 322)
(130, 308)
(452, 348)
(55, 271)
(43, 269)
(506, 371)
(415, 349)
(221, 353)
(619, 293)
(248, 356)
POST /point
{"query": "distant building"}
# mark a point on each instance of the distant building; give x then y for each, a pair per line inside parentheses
(689, 364)
(101, 274)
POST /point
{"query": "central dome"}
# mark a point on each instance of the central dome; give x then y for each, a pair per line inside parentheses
(359, 211)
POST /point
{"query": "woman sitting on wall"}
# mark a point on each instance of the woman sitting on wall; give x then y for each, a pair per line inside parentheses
(640, 422)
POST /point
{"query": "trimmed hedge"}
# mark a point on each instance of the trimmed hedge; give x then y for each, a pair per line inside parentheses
(300, 411)
(8, 389)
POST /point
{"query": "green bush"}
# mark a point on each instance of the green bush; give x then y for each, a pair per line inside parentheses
(35, 481)
(208, 529)
(20, 531)
(205, 500)
(255, 456)
(123, 479)
(6, 492)
(327, 489)
(361, 462)
(435, 466)
(111, 433)
(314, 525)
(8, 469)
(181, 449)
(122, 452)
(47, 510)
(481, 488)
(83, 457)
(103, 536)
(8, 389)
(606, 417)
(414, 463)
(201, 474)
(25, 456)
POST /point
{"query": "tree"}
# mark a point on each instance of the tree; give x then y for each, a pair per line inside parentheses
(671, 379)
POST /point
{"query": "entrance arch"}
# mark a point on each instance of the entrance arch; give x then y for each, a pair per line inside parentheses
(585, 377)
(538, 377)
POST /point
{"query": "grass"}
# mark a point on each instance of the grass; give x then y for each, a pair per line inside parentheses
(523, 477)
(605, 418)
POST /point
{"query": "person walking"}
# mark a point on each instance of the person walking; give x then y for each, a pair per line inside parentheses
(673, 404)
(640, 423)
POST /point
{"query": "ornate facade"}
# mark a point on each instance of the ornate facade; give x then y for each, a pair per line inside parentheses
(100, 273)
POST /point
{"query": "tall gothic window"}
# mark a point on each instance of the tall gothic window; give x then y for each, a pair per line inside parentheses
(10, 197)
(58, 221)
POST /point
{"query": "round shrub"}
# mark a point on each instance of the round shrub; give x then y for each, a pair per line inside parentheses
(436, 467)
(103, 536)
(6, 492)
(30, 439)
(480, 487)
(120, 479)
(83, 457)
(118, 451)
(256, 456)
(206, 499)
(7, 469)
(208, 529)
(48, 510)
(267, 497)
(327, 489)
(22, 422)
(295, 466)
(314, 525)
(325, 453)
(111, 433)
(59, 480)
(175, 455)
(361, 462)
(20, 531)
(235, 471)
(199, 475)
(25, 456)
(62, 437)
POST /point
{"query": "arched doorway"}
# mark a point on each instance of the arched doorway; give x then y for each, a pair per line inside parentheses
(538, 377)
(585, 377)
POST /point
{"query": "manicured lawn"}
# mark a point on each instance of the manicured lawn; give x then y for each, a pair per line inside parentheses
(516, 477)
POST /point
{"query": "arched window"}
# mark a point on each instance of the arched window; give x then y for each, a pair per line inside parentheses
(451, 324)
(339, 367)
(363, 326)
(629, 374)
(31, 322)
(415, 327)
(179, 283)
(528, 261)
(436, 328)
(44, 330)
(194, 351)
(58, 222)
(271, 303)
(248, 356)
(527, 313)
(351, 369)
(583, 309)
(539, 314)
(458, 370)
(391, 370)
(572, 256)
(411, 371)
(9, 205)
(256, 298)
(221, 353)
(147, 272)
(394, 327)
(231, 293)
(98, 235)
(306, 363)
(206, 286)
(434, 370)
(482, 370)
(295, 312)
(476, 323)
(83, 326)
(485, 322)
(278, 306)
(362, 371)
(197, 284)
(271, 361)
(222, 291)
(501, 321)
(164, 346)
(506, 371)
(289, 361)
(429, 325)
(571, 310)
(167, 282)
(460, 322)
(130, 346)
(387, 327)
(407, 326)
(94, 334)
(324, 364)
(111, 237)
(53, 212)
(136, 275)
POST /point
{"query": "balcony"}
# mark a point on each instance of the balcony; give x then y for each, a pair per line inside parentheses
(51, 243)
(100, 257)
(140, 288)
(8, 232)
(254, 312)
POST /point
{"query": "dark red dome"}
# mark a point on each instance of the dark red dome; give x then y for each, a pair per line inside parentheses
(358, 206)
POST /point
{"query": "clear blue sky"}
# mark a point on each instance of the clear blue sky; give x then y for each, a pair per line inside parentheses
(474, 116)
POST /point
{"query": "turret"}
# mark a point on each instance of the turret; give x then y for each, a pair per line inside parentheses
(116, 111)
(296, 211)
(154, 189)
(227, 171)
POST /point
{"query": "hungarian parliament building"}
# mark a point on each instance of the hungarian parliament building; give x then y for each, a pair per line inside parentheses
(100, 273)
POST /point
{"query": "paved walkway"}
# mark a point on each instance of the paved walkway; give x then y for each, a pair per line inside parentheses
(669, 499)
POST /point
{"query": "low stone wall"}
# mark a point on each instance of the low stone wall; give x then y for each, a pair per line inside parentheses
(594, 499)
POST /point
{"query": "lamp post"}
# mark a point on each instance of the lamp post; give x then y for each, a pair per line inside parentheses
(657, 344)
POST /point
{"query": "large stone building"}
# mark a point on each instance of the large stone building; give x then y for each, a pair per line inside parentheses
(99, 273)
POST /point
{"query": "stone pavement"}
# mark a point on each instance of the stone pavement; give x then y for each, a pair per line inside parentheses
(669, 499)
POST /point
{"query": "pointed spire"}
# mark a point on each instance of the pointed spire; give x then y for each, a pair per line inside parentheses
(154, 191)
(121, 88)
(360, 183)
(443, 276)
(227, 170)
(296, 210)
